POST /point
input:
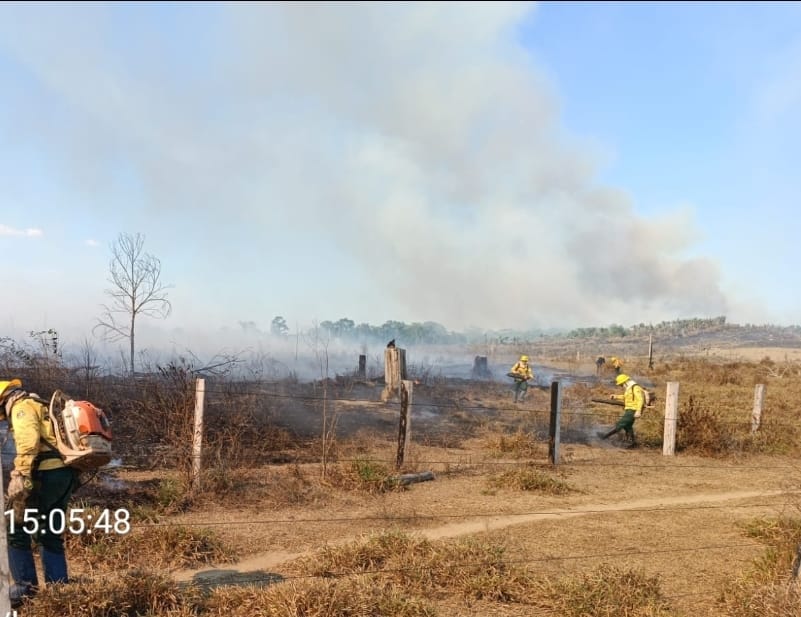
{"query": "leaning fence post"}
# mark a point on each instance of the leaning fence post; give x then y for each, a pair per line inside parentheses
(404, 428)
(671, 418)
(556, 413)
(759, 399)
(197, 435)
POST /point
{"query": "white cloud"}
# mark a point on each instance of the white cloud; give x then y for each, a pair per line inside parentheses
(91, 242)
(28, 233)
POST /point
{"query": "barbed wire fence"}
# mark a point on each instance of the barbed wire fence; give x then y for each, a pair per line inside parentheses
(213, 398)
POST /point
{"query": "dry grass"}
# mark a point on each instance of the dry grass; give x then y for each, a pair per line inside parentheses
(362, 475)
(131, 594)
(390, 574)
(357, 596)
(609, 591)
(529, 478)
(398, 575)
(468, 567)
(478, 570)
(520, 444)
(160, 547)
(766, 589)
(394, 574)
(716, 401)
(780, 599)
(703, 431)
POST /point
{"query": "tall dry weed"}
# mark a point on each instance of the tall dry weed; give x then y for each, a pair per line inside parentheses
(702, 430)
(130, 594)
(520, 444)
(609, 591)
(471, 568)
(767, 588)
(157, 546)
(354, 596)
(529, 478)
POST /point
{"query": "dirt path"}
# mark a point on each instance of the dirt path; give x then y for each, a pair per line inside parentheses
(269, 561)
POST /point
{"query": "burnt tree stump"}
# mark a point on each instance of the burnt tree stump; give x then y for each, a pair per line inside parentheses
(394, 372)
(480, 368)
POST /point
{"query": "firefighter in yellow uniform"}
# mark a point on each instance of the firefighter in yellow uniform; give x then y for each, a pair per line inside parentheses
(633, 398)
(41, 484)
(521, 372)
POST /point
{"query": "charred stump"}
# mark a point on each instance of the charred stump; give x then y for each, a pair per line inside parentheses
(394, 372)
(480, 368)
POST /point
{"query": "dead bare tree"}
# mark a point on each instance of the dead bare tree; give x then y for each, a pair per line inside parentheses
(136, 290)
(329, 416)
(88, 365)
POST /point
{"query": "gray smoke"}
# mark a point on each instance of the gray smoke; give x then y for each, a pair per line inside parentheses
(417, 144)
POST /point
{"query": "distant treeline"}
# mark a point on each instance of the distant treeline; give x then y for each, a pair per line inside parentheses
(43, 347)
(677, 327)
(433, 333)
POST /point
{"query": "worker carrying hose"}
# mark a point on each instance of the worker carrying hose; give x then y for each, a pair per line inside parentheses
(634, 400)
(521, 372)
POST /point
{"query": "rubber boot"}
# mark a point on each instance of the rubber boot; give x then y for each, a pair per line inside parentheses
(609, 434)
(23, 571)
(55, 566)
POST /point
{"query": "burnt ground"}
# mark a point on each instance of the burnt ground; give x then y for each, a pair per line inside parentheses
(444, 411)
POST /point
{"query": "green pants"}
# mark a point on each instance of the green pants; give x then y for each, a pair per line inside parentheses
(626, 422)
(521, 387)
(52, 490)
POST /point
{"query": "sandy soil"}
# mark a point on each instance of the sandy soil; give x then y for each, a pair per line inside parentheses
(676, 517)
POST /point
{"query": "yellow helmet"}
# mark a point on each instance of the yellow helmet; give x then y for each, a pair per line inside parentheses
(5, 387)
(524, 358)
(621, 379)
(9, 385)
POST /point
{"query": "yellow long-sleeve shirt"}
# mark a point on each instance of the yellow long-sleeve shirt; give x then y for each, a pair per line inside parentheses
(633, 397)
(33, 433)
(523, 370)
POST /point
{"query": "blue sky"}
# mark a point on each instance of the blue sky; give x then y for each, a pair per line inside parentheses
(504, 165)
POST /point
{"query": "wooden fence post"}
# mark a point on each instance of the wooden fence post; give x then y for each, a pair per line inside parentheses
(405, 426)
(362, 373)
(759, 400)
(556, 414)
(5, 575)
(650, 351)
(671, 418)
(197, 435)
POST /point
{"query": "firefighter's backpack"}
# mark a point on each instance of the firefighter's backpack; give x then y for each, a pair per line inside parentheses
(82, 431)
(648, 395)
